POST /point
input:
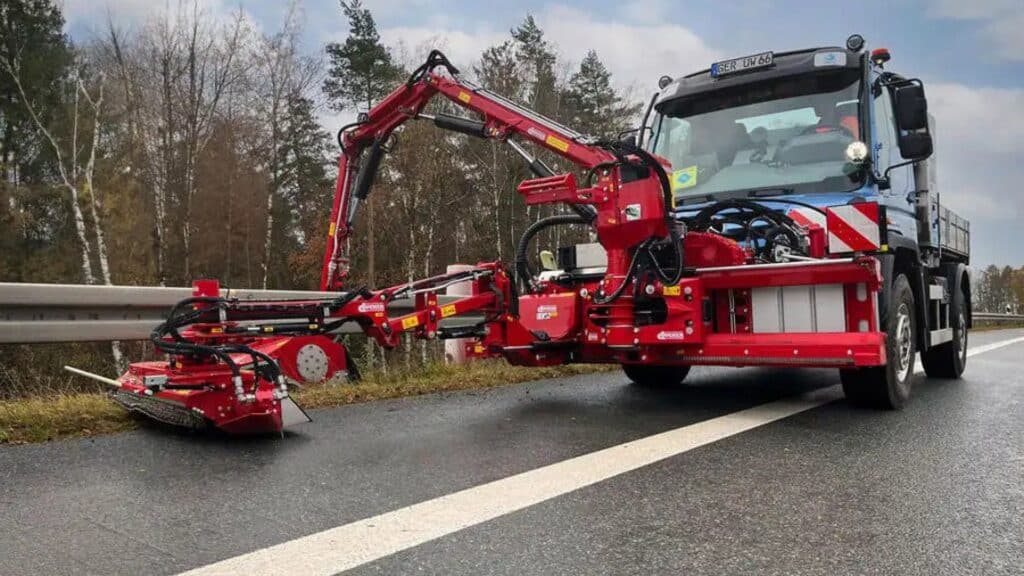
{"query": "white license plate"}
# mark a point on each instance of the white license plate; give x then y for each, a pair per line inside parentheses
(726, 67)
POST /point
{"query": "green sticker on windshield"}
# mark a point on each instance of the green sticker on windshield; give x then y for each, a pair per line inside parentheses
(685, 178)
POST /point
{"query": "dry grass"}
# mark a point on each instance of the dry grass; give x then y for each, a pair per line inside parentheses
(48, 418)
(64, 416)
(988, 326)
(434, 378)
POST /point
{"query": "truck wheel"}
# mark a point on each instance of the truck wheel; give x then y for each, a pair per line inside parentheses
(949, 359)
(655, 376)
(888, 386)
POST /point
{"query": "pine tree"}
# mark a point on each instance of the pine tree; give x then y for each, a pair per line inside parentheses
(361, 73)
(305, 194)
(595, 107)
(538, 57)
(307, 187)
(361, 70)
(32, 40)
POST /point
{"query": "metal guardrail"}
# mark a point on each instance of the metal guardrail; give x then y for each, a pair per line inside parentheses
(37, 313)
(994, 317)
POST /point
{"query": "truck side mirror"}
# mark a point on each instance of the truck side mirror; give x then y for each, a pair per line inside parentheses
(915, 139)
(632, 137)
(915, 145)
(911, 107)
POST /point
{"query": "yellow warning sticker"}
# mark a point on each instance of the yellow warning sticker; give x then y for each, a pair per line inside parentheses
(685, 178)
(448, 310)
(671, 291)
(465, 97)
(557, 143)
(410, 322)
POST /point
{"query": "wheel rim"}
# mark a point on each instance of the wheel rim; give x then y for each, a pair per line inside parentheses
(904, 343)
(962, 336)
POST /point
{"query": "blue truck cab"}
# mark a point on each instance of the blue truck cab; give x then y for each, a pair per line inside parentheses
(802, 131)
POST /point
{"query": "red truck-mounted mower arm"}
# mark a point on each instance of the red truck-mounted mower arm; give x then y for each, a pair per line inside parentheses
(363, 142)
(737, 284)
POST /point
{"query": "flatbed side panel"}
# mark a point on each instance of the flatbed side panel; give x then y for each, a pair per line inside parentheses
(938, 227)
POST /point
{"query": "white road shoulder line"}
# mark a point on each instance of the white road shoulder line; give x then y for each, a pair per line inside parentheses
(351, 545)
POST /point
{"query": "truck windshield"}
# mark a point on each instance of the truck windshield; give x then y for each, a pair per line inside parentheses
(788, 133)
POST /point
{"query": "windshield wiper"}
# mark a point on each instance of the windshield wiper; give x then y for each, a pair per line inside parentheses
(765, 192)
(691, 200)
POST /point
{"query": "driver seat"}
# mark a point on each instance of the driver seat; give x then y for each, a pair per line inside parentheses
(740, 140)
(847, 118)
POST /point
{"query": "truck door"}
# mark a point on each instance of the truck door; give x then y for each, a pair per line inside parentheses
(900, 210)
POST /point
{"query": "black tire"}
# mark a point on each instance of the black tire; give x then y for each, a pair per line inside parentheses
(888, 386)
(948, 360)
(655, 376)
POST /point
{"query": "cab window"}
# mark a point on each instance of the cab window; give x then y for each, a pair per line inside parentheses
(886, 128)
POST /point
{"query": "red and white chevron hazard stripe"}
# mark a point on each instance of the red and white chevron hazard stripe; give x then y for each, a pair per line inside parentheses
(854, 228)
(806, 217)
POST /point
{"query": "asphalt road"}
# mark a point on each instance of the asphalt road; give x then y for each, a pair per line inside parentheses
(935, 489)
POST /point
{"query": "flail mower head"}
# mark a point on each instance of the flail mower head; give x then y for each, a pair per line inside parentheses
(230, 368)
(201, 393)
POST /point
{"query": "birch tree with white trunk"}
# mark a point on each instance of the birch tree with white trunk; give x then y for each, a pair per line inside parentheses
(76, 177)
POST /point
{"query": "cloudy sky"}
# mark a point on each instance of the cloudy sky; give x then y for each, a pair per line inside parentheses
(969, 54)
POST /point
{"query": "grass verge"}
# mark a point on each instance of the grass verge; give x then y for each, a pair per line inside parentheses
(983, 326)
(65, 416)
(47, 418)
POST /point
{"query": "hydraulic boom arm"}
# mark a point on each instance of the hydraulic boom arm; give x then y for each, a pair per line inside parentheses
(363, 143)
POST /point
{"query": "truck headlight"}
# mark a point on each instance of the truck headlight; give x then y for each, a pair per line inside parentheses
(856, 152)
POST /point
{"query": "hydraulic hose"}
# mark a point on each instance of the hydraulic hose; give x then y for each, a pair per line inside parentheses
(368, 170)
(652, 163)
(522, 251)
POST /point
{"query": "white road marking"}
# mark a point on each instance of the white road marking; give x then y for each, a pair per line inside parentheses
(351, 545)
(993, 346)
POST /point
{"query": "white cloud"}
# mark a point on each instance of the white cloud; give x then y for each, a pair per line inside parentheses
(1008, 35)
(1002, 22)
(462, 48)
(121, 11)
(979, 149)
(90, 16)
(973, 10)
(635, 52)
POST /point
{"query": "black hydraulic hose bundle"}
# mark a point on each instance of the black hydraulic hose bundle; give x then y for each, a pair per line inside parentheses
(622, 150)
(179, 345)
(630, 275)
(743, 214)
(522, 250)
(368, 170)
(262, 364)
(677, 245)
(644, 252)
